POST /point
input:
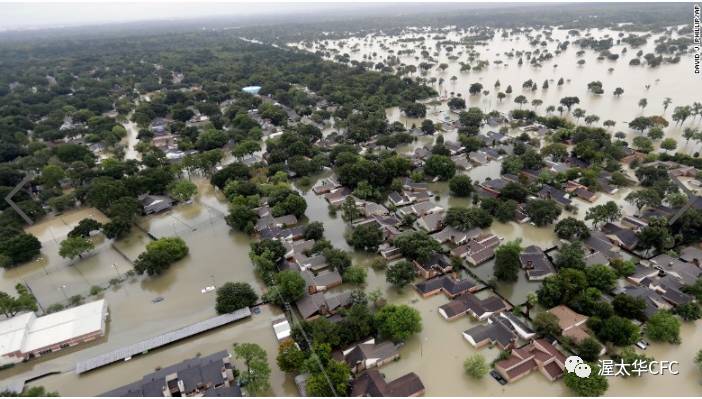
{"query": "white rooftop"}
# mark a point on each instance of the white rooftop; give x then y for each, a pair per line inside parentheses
(27, 333)
(281, 329)
(13, 332)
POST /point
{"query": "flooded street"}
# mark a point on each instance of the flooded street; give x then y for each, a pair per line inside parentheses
(131, 141)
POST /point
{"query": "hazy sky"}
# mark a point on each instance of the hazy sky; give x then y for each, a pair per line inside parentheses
(40, 14)
(36, 14)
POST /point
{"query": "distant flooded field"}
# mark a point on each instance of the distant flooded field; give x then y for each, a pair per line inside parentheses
(654, 84)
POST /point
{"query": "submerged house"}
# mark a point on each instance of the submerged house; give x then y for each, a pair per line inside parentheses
(367, 355)
(540, 354)
(372, 383)
(551, 193)
(436, 264)
(430, 222)
(211, 375)
(478, 250)
(534, 261)
(155, 203)
(449, 285)
(502, 330)
(452, 235)
(621, 236)
(479, 309)
(318, 304)
(337, 196)
(571, 322)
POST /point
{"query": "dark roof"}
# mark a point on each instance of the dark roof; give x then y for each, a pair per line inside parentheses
(450, 285)
(626, 236)
(552, 193)
(469, 302)
(197, 373)
(498, 331)
(535, 262)
(436, 260)
(372, 383)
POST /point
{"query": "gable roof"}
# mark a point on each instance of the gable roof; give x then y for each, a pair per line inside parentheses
(449, 285)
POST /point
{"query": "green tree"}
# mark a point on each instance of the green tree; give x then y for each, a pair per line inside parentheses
(355, 275)
(257, 374)
(440, 166)
(234, 296)
(290, 358)
(31, 392)
(73, 247)
(542, 212)
(397, 322)
(562, 287)
(399, 274)
(656, 235)
(664, 327)
(619, 331)
(182, 190)
(475, 366)
(629, 306)
(594, 385)
(624, 268)
(589, 349)
(570, 255)
(242, 218)
(546, 323)
(607, 212)
(350, 211)
(333, 380)
(84, 227)
(690, 311)
(160, 254)
(24, 301)
(698, 359)
(17, 247)
(601, 277)
(289, 287)
(507, 263)
(571, 229)
(461, 185)
(646, 197)
(366, 237)
(51, 175)
(314, 231)
(416, 245)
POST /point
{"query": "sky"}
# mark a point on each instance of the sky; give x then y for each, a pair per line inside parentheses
(37, 14)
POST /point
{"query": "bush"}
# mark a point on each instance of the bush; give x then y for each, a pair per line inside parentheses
(355, 275)
(594, 385)
(475, 366)
(95, 290)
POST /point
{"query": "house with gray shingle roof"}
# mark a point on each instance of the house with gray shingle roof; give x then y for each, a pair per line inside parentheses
(534, 261)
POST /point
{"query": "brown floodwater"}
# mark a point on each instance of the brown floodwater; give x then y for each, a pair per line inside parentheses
(676, 81)
(218, 255)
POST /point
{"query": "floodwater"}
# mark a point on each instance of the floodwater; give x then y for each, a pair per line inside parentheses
(676, 81)
(218, 255)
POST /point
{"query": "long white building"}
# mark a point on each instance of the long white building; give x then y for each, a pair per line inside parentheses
(26, 336)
